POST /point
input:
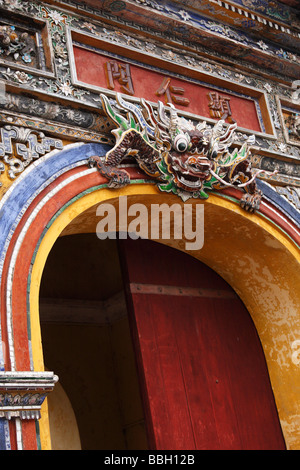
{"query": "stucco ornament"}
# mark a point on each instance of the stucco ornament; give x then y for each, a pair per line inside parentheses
(184, 159)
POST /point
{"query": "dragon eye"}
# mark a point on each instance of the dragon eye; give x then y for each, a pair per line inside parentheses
(181, 143)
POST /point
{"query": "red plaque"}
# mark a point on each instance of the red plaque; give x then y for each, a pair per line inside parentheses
(120, 76)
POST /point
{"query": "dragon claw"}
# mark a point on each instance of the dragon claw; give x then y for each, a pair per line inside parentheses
(91, 162)
(118, 179)
(251, 202)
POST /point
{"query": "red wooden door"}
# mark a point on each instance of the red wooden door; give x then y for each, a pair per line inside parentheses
(204, 379)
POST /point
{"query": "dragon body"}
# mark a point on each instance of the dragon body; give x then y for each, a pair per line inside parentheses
(184, 159)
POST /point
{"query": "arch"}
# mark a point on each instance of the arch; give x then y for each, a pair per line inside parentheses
(257, 254)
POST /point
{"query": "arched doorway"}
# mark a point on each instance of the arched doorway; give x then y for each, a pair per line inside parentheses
(257, 254)
(202, 375)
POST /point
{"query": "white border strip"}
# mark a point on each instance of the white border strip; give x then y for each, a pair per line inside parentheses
(16, 252)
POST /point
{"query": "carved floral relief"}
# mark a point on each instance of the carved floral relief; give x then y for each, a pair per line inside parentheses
(17, 46)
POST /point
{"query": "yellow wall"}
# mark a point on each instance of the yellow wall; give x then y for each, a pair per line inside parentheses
(63, 425)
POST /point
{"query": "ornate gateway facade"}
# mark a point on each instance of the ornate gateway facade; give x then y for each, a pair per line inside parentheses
(122, 107)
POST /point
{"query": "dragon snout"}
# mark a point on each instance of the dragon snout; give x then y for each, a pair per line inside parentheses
(199, 163)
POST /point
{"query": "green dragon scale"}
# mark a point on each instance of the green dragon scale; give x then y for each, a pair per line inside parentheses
(184, 159)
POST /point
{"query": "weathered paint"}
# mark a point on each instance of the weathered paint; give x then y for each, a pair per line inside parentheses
(250, 264)
(258, 259)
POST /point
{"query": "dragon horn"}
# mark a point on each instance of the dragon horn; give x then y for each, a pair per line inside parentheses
(164, 120)
(218, 129)
(168, 122)
(201, 126)
(226, 139)
(173, 119)
(148, 112)
(228, 134)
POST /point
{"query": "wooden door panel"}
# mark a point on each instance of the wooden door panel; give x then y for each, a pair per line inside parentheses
(196, 381)
(163, 379)
(213, 419)
(203, 374)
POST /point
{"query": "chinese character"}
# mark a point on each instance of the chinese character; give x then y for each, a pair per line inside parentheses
(248, 23)
(220, 107)
(121, 72)
(168, 90)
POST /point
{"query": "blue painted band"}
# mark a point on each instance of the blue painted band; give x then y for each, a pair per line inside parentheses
(4, 435)
(28, 185)
(280, 202)
(36, 177)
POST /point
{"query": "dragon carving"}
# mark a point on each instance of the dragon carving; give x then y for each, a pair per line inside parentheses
(184, 159)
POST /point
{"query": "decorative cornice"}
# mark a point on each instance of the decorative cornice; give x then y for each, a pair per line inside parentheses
(290, 193)
(280, 19)
(158, 19)
(20, 146)
(87, 124)
(23, 393)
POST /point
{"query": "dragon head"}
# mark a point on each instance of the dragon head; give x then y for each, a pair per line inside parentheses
(194, 150)
(189, 160)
